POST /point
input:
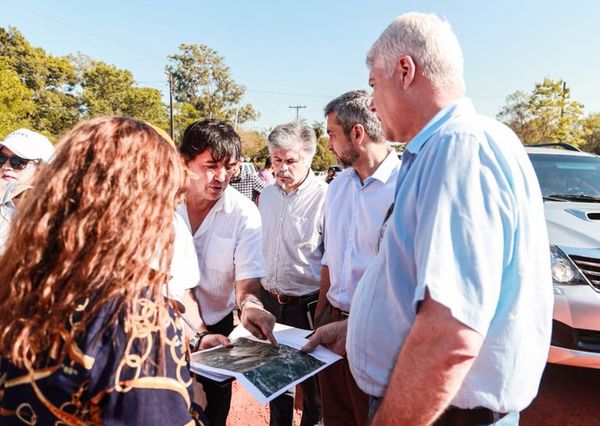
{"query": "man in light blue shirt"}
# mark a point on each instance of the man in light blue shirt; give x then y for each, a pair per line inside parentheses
(451, 322)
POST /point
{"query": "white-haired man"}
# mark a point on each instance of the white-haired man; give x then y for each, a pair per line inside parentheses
(450, 323)
(292, 219)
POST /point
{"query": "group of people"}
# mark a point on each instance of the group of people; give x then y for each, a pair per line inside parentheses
(430, 277)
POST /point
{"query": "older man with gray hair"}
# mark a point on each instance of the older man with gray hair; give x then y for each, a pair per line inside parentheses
(355, 208)
(450, 323)
(292, 220)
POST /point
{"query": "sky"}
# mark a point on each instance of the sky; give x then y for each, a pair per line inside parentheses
(307, 52)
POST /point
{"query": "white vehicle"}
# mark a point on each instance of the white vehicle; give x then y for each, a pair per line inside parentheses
(570, 183)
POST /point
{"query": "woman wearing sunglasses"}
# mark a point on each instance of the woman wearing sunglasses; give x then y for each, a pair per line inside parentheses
(21, 152)
(86, 336)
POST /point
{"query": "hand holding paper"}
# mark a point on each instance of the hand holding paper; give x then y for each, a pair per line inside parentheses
(332, 336)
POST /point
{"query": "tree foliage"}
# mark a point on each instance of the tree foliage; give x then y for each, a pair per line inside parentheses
(51, 81)
(592, 136)
(323, 158)
(202, 80)
(51, 94)
(108, 90)
(547, 114)
(254, 146)
(15, 101)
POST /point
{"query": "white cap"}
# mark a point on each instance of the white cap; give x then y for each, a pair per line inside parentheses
(29, 145)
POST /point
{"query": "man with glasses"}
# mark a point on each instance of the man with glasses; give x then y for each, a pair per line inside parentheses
(227, 233)
(21, 152)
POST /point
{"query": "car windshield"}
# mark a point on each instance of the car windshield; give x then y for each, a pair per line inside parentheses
(568, 177)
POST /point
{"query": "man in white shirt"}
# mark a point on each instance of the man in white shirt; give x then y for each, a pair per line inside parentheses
(292, 216)
(226, 229)
(450, 323)
(355, 208)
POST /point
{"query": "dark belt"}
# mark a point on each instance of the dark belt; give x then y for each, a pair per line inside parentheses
(337, 313)
(282, 299)
(455, 416)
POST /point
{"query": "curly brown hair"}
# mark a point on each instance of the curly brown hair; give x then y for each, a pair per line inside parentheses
(98, 215)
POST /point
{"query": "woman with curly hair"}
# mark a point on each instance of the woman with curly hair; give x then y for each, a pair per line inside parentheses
(85, 334)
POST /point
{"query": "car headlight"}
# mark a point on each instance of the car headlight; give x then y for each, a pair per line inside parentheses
(563, 270)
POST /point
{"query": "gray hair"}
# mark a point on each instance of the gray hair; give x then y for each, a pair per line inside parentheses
(429, 41)
(289, 135)
(353, 108)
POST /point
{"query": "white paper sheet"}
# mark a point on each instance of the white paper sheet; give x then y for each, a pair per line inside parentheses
(269, 379)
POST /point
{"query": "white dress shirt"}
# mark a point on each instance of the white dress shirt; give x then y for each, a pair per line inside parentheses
(354, 215)
(184, 266)
(293, 236)
(228, 249)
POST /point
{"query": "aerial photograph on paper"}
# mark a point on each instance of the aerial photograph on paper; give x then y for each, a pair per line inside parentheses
(269, 368)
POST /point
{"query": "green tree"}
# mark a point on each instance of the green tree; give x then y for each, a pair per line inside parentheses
(51, 80)
(319, 129)
(145, 103)
(15, 101)
(105, 89)
(184, 114)
(592, 133)
(545, 115)
(323, 157)
(108, 90)
(202, 79)
(254, 146)
(517, 115)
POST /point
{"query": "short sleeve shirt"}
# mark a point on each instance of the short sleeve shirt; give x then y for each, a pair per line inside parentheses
(468, 226)
(228, 247)
(184, 266)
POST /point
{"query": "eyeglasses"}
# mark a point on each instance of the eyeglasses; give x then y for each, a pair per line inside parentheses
(15, 161)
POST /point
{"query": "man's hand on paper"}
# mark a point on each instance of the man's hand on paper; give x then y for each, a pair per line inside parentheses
(332, 336)
(258, 321)
(212, 340)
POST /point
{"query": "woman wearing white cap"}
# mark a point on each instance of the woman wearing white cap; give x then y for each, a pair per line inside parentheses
(20, 155)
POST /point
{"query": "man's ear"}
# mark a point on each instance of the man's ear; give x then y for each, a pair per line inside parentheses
(357, 134)
(405, 70)
(184, 159)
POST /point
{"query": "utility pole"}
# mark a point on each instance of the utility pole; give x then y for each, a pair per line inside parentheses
(562, 104)
(297, 108)
(172, 120)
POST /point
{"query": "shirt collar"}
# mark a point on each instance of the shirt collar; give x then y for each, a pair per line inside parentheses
(385, 169)
(462, 105)
(10, 190)
(224, 203)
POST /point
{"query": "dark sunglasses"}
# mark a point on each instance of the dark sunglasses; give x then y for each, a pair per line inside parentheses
(15, 161)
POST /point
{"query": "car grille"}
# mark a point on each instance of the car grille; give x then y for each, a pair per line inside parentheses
(590, 267)
(572, 338)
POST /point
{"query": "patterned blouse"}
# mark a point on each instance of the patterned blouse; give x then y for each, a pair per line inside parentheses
(96, 384)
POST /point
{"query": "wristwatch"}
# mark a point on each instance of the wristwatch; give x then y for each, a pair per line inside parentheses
(251, 300)
(196, 339)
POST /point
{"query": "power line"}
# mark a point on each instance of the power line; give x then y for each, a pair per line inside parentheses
(297, 108)
(64, 22)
